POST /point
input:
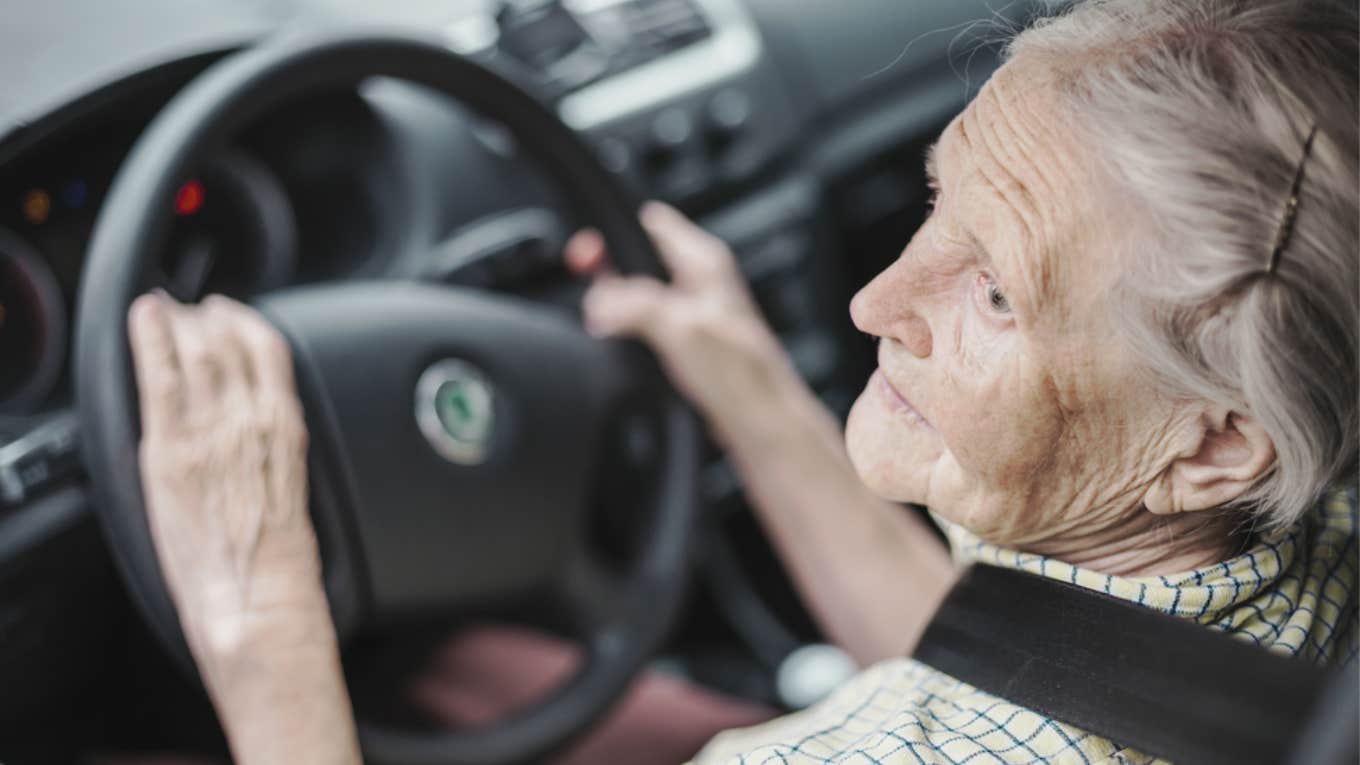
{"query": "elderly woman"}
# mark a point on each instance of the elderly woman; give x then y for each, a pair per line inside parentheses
(1122, 352)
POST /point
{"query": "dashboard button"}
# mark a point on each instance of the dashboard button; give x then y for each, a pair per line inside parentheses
(728, 114)
(614, 154)
(671, 132)
(672, 127)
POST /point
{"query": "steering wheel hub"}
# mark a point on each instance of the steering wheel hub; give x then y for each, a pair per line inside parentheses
(456, 410)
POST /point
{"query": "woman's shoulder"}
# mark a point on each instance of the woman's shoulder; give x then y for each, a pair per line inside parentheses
(1294, 591)
(1322, 584)
(902, 711)
(1336, 518)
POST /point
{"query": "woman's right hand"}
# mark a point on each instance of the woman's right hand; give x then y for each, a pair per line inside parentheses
(786, 447)
(704, 325)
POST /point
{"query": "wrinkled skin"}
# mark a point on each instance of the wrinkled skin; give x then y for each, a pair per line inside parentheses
(1004, 399)
(223, 460)
(786, 448)
(704, 325)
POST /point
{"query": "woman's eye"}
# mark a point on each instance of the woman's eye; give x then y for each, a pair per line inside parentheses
(996, 299)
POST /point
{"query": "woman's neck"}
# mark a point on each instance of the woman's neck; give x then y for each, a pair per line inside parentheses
(1144, 544)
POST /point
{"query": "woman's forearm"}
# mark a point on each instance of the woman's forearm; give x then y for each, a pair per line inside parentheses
(871, 572)
(280, 692)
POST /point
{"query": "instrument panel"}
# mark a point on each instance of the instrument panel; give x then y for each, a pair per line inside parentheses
(32, 325)
(233, 233)
(236, 231)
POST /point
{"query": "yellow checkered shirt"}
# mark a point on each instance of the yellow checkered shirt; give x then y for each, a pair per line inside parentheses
(1293, 592)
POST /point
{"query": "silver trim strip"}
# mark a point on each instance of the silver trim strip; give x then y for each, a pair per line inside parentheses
(55, 436)
(733, 48)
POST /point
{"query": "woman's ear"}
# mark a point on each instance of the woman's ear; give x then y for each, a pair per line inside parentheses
(1229, 452)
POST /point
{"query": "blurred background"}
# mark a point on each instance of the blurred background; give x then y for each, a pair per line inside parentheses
(793, 129)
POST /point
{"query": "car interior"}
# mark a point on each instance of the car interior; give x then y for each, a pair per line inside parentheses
(345, 166)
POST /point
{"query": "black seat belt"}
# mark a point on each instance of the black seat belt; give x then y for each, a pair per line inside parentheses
(1141, 678)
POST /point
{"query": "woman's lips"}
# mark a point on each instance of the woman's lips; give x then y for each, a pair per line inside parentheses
(895, 400)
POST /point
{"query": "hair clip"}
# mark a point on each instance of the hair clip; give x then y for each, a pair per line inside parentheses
(1291, 207)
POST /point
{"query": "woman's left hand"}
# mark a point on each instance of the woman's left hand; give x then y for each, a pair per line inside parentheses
(224, 472)
(223, 463)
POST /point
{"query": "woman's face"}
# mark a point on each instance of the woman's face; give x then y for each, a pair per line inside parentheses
(1002, 400)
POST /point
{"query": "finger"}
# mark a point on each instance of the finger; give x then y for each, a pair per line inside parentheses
(586, 253)
(271, 358)
(221, 324)
(160, 389)
(198, 361)
(271, 397)
(690, 253)
(626, 305)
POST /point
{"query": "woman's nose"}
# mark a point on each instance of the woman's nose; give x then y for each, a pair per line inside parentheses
(885, 308)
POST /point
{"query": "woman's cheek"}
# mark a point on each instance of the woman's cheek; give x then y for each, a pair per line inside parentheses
(974, 430)
(993, 417)
(986, 344)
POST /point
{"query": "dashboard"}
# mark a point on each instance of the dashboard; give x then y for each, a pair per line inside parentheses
(792, 130)
(276, 207)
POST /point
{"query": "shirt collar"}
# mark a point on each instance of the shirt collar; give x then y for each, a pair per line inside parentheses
(1202, 594)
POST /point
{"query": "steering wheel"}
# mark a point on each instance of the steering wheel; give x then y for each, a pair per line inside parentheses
(457, 436)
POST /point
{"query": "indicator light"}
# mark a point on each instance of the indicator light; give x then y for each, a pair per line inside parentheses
(73, 195)
(36, 206)
(189, 199)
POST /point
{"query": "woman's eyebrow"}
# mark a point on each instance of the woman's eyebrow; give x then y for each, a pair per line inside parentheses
(932, 169)
(1001, 272)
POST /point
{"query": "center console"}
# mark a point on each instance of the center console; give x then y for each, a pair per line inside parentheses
(676, 94)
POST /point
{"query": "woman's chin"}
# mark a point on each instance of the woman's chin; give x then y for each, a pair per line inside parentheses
(882, 455)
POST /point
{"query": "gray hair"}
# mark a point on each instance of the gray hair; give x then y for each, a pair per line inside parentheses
(1199, 109)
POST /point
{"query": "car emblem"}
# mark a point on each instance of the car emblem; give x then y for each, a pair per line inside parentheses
(455, 409)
